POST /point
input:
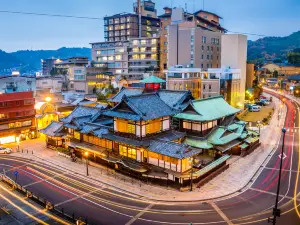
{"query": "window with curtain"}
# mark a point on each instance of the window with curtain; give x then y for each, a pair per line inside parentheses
(187, 125)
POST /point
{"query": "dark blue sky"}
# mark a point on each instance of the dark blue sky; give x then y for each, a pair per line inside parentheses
(268, 17)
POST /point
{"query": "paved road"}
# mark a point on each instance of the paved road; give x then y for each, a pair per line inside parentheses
(102, 205)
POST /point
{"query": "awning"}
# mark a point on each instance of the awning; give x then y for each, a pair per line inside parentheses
(243, 146)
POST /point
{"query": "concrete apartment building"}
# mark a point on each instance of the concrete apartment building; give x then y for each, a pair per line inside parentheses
(54, 84)
(190, 45)
(205, 84)
(234, 55)
(17, 83)
(47, 65)
(75, 70)
(142, 23)
(202, 19)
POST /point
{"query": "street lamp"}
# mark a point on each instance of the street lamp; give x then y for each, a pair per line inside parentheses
(276, 211)
(18, 142)
(258, 124)
(87, 162)
(48, 99)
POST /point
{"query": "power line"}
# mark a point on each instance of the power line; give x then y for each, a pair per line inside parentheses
(51, 15)
(95, 18)
(261, 35)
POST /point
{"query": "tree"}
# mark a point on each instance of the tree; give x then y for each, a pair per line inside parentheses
(275, 73)
(294, 57)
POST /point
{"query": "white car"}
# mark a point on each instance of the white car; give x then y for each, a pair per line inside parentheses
(254, 108)
(4, 150)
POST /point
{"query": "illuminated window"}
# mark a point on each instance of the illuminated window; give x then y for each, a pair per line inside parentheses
(18, 124)
(153, 41)
(11, 125)
(153, 49)
(98, 52)
(186, 86)
(143, 42)
(143, 56)
(118, 57)
(2, 116)
(77, 135)
(135, 56)
(143, 49)
(122, 26)
(104, 58)
(135, 49)
(131, 128)
(118, 71)
(153, 56)
(135, 42)
(110, 58)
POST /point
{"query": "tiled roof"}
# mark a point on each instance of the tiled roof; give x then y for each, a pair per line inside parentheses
(53, 129)
(175, 99)
(153, 79)
(143, 107)
(126, 91)
(80, 111)
(295, 77)
(208, 109)
(172, 149)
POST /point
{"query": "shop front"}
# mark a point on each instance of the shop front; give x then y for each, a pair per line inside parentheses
(45, 114)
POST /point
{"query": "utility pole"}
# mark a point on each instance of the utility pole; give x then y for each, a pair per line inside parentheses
(276, 211)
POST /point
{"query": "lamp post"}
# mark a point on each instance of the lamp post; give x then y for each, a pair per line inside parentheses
(191, 184)
(258, 124)
(87, 162)
(276, 211)
(18, 142)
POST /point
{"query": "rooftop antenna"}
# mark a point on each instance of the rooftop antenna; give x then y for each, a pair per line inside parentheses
(171, 4)
(185, 7)
(203, 4)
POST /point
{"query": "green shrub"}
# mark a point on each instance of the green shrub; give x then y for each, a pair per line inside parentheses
(63, 150)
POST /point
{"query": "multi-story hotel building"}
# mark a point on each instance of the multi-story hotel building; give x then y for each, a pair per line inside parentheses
(111, 56)
(192, 46)
(203, 20)
(143, 55)
(17, 117)
(142, 23)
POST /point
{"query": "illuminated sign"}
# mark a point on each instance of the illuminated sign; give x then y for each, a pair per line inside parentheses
(9, 139)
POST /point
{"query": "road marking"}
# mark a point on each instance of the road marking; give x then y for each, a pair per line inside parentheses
(284, 156)
(282, 169)
(139, 214)
(271, 193)
(77, 197)
(219, 211)
(43, 180)
(247, 200)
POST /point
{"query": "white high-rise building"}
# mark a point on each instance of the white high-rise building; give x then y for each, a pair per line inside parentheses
(234, 55)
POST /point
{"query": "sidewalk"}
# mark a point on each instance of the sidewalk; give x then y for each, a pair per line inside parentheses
(235, 178)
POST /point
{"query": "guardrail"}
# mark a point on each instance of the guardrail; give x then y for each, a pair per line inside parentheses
(60, 212)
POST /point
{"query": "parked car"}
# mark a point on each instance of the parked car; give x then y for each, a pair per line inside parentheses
(263, 97)
(254, 108)
(266, 101)
(262, 102)
(4, 150)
